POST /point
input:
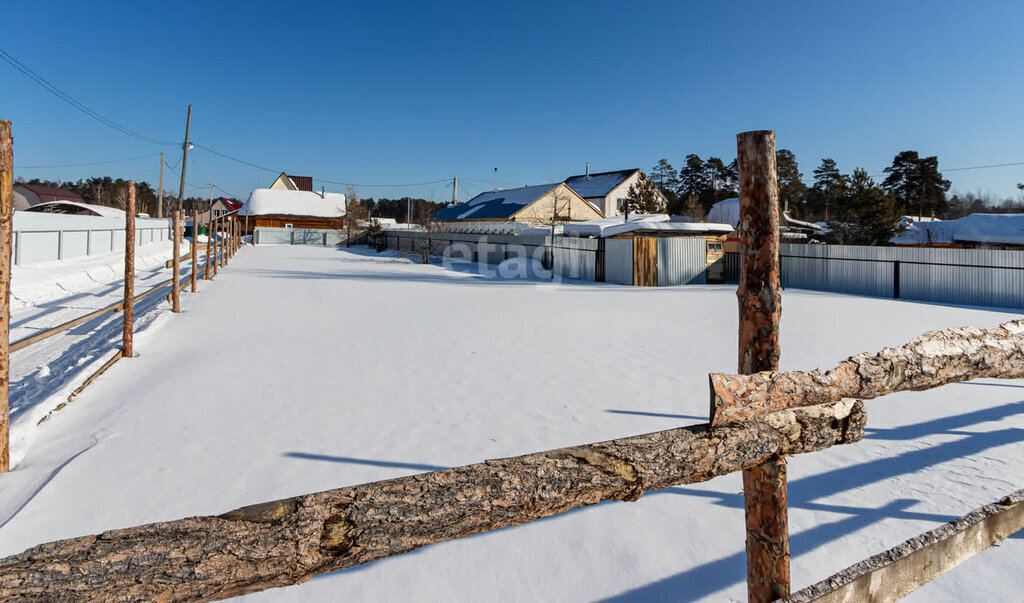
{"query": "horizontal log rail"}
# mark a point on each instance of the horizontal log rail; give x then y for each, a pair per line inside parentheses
(289, 541)
(114, 308)
(931, 360)
(912, 564)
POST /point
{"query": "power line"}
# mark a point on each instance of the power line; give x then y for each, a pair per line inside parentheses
(982, 167)
(383, 185)
(242, 161)
(64, 96)
(41, 167)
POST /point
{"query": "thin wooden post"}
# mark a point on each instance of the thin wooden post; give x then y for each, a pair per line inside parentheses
(176, 264)
(129, 273)
(214, 239)
(209, 246)
(760, 306)
(195, 252)
(6, 219)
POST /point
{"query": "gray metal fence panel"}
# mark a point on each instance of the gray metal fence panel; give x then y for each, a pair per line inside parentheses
(618, 261)
(575, 258)
(682, 261)
(982, 277)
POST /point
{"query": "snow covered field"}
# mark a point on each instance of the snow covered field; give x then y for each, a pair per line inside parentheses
(302, 369)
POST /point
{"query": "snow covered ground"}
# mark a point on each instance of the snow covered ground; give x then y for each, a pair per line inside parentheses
(301, 369)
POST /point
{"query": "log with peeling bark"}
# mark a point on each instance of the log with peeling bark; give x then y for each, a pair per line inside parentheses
(903, 569)
(289, 541)
(933, 359)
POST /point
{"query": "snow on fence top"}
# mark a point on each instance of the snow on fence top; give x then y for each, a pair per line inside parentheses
(264, 202)
(615, 225)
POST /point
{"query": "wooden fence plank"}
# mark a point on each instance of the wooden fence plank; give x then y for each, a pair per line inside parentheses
(933, 359)
(905, 568)
(128, 306)
(288, 541)
(6, 226)
(760, 309)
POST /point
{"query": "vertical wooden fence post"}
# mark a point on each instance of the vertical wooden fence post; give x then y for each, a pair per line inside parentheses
(194, 250)
(6, 217)
(209, 247)
(214, 238)
(760, 306)
(129, 273)
(176, 264)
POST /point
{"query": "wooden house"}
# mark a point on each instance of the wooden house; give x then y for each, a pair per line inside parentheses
(285, 182)
(268, 208)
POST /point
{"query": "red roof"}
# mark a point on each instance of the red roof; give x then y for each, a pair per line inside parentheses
(49, 193)
(303, 183)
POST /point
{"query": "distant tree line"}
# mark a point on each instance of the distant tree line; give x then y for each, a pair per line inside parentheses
(857, 209)
(113, 192)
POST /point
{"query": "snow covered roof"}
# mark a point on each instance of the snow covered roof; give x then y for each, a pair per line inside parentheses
(494, 204)
(726, 211)
(598, 228)
(264, 201)
(598, 185)
(74, 207)
(607, 227)
(999, 229)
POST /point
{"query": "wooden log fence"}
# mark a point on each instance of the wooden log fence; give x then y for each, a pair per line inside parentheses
(193, 249)
(176, 259)
(128, 327)
(904, 568)
(289, 541)
(931, 360)
(757, 418)
(6, 228)
(760, 307)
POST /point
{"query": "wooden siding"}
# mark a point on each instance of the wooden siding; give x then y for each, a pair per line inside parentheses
(280, 220)
(645, 261)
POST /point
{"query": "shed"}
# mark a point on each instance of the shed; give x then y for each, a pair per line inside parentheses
(266, 208)
(511, 210)
(650, 250)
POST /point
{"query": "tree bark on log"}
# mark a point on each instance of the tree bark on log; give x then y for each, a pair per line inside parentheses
(289, 541)
(905, 568)
(933, 359)
(760, 300)
(6, 244)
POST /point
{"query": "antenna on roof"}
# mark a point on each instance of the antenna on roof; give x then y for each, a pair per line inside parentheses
(323, 192)
(495, 179)
(588, 170)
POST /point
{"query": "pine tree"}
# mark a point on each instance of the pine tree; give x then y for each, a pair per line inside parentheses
(827, 191)
(664, 176)
(643, 198)
(791, 185)
(722, 180)
(693, 178)
(916, 184)
(864, 214)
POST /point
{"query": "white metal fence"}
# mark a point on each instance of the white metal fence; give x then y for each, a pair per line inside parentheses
(37, 244)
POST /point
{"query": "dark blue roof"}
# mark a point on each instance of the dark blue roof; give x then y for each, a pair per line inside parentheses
(597, 185)
(494, 205)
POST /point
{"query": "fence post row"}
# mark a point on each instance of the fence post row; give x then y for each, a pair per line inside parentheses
(176, 264)
(209, 247)
(6, 218)
(129, 273)
(760, 307)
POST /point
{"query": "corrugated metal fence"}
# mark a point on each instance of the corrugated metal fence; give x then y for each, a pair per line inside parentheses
(682, 261)
(977, 277)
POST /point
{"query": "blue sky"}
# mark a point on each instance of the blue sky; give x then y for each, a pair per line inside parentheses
(395, 93)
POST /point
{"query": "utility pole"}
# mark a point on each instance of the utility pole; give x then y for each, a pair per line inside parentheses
(160, 193)
(455, 190)
(184, 159)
